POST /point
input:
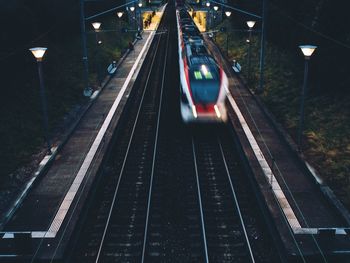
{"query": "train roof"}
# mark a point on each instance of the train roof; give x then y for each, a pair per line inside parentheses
(196, 52)
(202, 59)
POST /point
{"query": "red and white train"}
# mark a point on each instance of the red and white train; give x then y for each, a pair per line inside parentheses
(203, 82)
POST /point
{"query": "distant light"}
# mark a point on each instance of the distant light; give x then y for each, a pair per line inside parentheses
(307, 50)
(99, 42)
(96, 25)
(250, 24)
(228, 13)
(247, 40)
(216, 8)
(194, 111)
(120, 14)
(132, 8)
(140, 4)
(38, 52)
(207, 4)
(217, 111)
(204, 69)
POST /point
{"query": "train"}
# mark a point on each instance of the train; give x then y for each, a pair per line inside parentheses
(203, 83)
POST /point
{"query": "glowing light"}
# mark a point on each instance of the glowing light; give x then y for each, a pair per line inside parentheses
(139, 4)
(132, 8)
(194, 111)
(216, 8)
(228, 13)
(207, 4)
(197, 75)
(217, 111)
(204, 69)
(96, 25)
(38, 52)
(307, 50)
(120, 14)
(250, 24)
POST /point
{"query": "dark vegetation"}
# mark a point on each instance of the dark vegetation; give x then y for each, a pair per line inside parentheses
(54, 24)
(327, 124)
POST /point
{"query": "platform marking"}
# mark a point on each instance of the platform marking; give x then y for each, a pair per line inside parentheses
(63, 210)
(65, 205)
(287, 210)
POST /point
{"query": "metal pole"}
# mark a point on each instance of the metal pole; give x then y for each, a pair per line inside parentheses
(98, 59)
(303, 94)
(44, 107)
(87, 90)
(227, 42)
(249, 50)
(139, 19)
(262, 51)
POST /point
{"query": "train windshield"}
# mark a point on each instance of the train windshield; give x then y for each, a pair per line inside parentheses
(205, 84)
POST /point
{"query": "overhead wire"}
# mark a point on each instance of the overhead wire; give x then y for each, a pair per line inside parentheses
(286, 15)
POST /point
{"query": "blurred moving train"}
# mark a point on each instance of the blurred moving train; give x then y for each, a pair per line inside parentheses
(204, 84)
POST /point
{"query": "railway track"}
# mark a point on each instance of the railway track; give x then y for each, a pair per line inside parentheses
(223, 226)
(115, 226)
(167, 191)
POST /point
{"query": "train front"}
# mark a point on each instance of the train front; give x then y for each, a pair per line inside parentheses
(208, 85)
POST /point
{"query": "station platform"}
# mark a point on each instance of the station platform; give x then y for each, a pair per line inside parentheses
(41, 227)
(310, 221)
(153, 20)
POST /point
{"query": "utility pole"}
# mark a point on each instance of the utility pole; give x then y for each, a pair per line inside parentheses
(262, 52)
(87, 90)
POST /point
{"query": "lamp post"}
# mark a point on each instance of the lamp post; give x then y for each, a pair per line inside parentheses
(208, 22)
(262, 46)
(139, 16)
(119, 14)
(87, 89)
(96, 26)
(132, 9)
(38, 53)
(250, 25)
(228, 14)
(214, 14)
(307, 51)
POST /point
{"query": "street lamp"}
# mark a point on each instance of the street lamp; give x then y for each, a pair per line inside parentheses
(307, 51)
(139, 17)
(96, 26)
(119, 14)
(132, 9)
(207, 4)
(38, 53)
(228, 14)
(262, 45)
(250, 24)
(216, 8)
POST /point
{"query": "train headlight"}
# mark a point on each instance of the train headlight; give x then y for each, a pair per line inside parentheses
(217, 111)
(194, 111)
